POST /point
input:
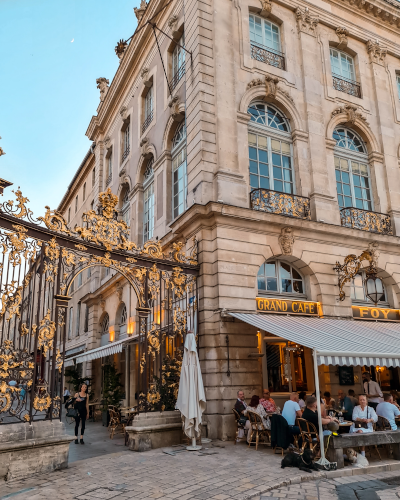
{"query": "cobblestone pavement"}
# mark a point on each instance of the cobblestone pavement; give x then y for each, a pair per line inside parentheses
(228, 472)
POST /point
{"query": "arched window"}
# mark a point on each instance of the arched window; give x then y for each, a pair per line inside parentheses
(124, 315)
(179, 175)
(358, 290)
(148, 212)
(276, 276)
(105, 324)
(270, 149)
(351, 169)
(125, 208)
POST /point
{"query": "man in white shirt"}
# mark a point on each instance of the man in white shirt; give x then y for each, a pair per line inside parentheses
(66, 394)
(372, 391)
(388, 410)
(291, 410)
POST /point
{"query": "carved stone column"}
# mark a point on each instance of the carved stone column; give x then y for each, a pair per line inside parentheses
(324, 205)
(389, 193)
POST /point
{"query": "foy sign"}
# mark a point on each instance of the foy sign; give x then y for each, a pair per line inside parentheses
(375, 313)
(284, 306)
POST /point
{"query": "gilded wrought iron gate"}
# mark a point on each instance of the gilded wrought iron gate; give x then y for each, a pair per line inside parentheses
(39, 260)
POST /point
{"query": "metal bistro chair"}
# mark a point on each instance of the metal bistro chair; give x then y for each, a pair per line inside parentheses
(239, 426)
(257, 427)
(383, 424)
(309, 435)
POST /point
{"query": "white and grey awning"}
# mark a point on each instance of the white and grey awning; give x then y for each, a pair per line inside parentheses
(336, 341)
(100, 352)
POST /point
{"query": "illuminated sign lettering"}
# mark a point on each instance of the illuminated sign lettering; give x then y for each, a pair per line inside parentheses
(284, 306)
(375, 313)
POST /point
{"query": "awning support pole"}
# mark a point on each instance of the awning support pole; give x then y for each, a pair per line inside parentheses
(322, 460)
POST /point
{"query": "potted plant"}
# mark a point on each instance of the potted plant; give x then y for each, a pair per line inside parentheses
(112, 391)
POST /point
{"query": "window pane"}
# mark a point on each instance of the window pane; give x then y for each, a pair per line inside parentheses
(264, 183)
(285, 270)
(254, 181)
(252, 139)
(253, 153)
(261, 284)
(277, 173)
(287, 286)
(298, 286)
(285, 148)
(278, 186)
(295, 274)
(275, 145)
(261, 271)
(276, 159)
(270, 269)
(262, 142)
(262, 156)
(253, 167)
(272, 285)
(346, 189)
(264, 170)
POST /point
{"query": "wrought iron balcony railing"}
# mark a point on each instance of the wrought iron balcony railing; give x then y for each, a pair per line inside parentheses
(345, 85)
(147, 121)
(268, 56)
(108, 181)
(126, 153)
(177, 77)
(275, 202)
(366, 220)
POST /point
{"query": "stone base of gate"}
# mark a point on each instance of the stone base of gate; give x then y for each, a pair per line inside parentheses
(27, 449)
(155, 430)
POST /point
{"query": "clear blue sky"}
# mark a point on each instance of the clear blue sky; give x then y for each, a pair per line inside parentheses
(48, 88)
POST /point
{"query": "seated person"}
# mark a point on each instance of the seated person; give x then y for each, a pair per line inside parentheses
(365, 415)
(302, 399)
(267, 402)
(388, 410)
(352, 396)
(347, 403)
(311, 415)
(291, 410)
(328, 400)
(255, 406)
(240, 407)
(396, 398)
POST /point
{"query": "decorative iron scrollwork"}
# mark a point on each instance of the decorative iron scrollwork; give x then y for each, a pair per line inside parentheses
(275, 202)
(267, 56)
(348, 86)
(365, 220)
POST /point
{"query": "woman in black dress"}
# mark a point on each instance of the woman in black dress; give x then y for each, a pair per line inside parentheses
(82, 405)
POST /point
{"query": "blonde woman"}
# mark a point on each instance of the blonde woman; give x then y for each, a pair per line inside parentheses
(364, 417)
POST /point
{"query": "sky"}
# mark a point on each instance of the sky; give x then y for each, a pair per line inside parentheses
(51, 53)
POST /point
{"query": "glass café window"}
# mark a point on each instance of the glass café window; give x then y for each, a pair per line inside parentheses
(263, 33)
(358, 290)
(280, 277)
(351, 170)
(270, 149)
(282, 364)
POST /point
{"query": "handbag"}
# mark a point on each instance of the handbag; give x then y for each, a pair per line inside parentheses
(72, 413)
(362, 425)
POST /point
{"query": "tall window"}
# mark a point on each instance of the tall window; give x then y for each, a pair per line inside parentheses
(179, 174)
(80, 279)
(105, 324)
(270, 150)
(264, 33)
(148, 212)
(125, 209)
(398, 85)
(178, 63)
(342, 64)
(93, 177)
(84, 192)
(76, 203)
(78, 318)
(124, 316)
(69, 215)
(86, 321)
(109, 168)
(70, 319)
(148, 109)
(351, 169)
(280, 277)
(125, 142)
(358, 289)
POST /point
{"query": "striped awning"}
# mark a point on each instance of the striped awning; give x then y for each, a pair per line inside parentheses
(100, 352)
(336, 341)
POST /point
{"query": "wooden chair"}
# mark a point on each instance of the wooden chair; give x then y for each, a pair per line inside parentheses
(309, 435)
(115, 422)
(239, 426)
(258, 428)
(383, 424)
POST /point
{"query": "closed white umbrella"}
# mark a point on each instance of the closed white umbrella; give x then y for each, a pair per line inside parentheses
(191, 398)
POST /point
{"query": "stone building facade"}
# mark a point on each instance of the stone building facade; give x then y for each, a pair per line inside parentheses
(273, 138)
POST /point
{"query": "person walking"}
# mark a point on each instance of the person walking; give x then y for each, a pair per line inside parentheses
(66, 394)
(82, 405)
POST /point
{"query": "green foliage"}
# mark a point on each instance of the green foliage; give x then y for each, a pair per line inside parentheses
(112, 387)
(73, 377)
(167, 387)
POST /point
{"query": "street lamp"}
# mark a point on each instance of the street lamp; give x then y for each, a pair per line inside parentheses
(373, 285)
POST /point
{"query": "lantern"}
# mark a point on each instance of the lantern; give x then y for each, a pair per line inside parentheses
(373, 286)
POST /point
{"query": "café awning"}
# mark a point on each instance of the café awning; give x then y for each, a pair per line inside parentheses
(100, 352)
(336, 341)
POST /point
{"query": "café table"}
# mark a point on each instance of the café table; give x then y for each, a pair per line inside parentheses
(92, 408)
(344, 427)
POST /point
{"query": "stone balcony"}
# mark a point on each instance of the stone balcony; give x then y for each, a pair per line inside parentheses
(365, 220)
(275, 202)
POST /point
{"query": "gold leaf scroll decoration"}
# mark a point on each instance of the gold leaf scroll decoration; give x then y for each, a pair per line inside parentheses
(47, 329)
(17, 243)
(52, 250)
(41, 403)
(153, 249)
(55, 221)
(142, 362)
(153, 341)
(81, 247)
(59, 361)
